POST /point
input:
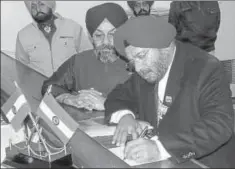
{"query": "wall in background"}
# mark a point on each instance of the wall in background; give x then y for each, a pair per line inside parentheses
(14, 16)
(225, 43)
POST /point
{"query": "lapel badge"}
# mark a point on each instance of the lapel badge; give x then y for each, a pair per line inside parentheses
(168, 99)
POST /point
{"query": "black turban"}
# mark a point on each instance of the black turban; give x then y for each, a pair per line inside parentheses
(144, 32)
(132, 3)
(113, 12)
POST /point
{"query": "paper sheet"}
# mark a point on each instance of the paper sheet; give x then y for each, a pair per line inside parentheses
(100, 130)
(119, 152)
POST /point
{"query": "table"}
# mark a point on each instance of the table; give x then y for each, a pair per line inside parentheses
(31, 83)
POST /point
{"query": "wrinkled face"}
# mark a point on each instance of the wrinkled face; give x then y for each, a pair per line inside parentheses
(40, 12)
(103, 42)
(141, 8)
(151, 64)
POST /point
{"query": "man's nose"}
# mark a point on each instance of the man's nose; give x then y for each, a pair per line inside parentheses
(106, 40)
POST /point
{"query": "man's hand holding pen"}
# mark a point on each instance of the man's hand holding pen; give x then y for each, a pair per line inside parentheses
(139, 148)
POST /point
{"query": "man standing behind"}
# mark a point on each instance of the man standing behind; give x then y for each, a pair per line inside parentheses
(196, 22)
(86, 78)
(179, 89)
(140, 8)
(50, 40)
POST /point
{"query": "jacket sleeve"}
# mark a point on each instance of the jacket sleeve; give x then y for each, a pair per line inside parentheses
(123, 97)
(82, 41)
(215, 126)
(63, 80)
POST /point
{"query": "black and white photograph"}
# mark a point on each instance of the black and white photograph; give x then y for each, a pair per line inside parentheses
(117, 84)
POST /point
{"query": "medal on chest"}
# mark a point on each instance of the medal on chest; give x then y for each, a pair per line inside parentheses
(161, 111)
(47, 29)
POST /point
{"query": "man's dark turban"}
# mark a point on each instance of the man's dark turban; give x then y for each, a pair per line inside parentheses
(113, 12)
(132, 3)
(144, 32)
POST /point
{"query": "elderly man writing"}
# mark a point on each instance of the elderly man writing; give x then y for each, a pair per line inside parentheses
(179, 89)
(85, 79)
(50, 40)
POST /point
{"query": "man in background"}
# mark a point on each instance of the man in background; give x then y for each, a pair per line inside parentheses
(50, 40)
(196, 22)
(140, 8)
(86, 78)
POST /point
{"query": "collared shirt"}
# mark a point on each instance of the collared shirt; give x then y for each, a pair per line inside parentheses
(48, 29)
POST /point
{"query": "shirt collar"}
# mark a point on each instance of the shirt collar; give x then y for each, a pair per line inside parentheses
(163, 81)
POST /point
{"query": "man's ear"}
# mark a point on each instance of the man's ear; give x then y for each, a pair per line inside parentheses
(90, 38)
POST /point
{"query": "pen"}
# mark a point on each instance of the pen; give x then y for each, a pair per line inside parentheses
(142, 135)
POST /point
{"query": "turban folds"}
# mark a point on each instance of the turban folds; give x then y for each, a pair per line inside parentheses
(50, 4)
(144, 32)
(113, 12)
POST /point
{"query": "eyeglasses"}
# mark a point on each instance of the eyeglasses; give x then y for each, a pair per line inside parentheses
(101, 37)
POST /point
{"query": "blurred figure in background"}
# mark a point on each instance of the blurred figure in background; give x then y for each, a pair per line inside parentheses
(196, 22)
(140, 8)
(50, 40)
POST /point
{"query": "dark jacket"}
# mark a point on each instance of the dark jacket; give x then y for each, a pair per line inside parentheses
(199, 119)
(196, 22)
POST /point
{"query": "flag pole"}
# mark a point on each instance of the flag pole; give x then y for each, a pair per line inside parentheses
(40, 136)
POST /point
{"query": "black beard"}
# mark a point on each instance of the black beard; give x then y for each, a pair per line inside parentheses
(161, 68)
(45, 18)
(106, 54)
(142, 13)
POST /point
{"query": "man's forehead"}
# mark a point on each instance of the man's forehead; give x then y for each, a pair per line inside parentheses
(140, 2)
(132, 50)
(36, 2)
(105, 25)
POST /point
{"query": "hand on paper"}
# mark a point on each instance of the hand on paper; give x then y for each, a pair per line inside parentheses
(142, 150)
(127, 125)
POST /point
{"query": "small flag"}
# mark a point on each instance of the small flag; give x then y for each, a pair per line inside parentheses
(16, 109)
(61, 123)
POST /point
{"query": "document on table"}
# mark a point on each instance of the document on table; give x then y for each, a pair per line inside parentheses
(119, 152)
(100, 130)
